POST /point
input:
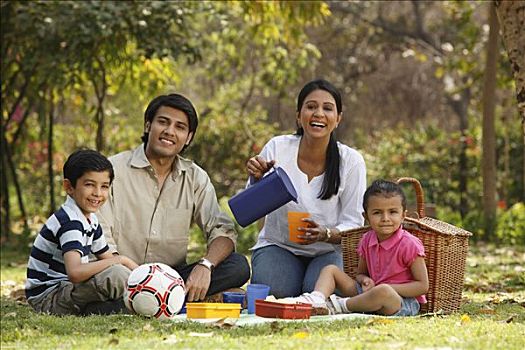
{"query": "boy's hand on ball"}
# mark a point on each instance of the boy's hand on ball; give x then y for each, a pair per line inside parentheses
(198, 283)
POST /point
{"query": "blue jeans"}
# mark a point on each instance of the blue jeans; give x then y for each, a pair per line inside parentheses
(288, 274)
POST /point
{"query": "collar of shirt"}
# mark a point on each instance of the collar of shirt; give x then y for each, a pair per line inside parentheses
(93, 220)
(388, 243)
(140, 160)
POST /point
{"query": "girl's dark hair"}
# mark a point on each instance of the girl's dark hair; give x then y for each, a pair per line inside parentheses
(332, 178)
(83, 161)
(176, 101)
(386, 189)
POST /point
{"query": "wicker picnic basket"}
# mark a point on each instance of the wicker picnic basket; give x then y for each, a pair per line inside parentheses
(446, 248)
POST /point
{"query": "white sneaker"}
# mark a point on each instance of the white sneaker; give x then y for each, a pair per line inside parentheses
(305, 298)
(333, 305)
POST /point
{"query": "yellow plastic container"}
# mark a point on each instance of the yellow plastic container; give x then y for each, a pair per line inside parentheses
(213, 310)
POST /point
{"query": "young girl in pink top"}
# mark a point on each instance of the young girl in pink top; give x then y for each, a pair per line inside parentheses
(392, 276)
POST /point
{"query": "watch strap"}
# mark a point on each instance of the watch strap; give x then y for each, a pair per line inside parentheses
(328, 234)
(206, 263)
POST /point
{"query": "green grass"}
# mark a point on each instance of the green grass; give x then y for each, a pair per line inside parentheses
(492, 316)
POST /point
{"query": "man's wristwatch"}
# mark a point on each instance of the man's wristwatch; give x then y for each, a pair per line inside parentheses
(206, 263)
(328, 234)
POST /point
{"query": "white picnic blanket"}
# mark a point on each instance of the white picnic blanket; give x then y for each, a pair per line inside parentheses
(252, 319)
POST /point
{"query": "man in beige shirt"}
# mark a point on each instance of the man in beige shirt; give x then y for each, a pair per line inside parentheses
(157, 195)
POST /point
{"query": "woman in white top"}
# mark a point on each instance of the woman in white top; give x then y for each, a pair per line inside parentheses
(330, 179)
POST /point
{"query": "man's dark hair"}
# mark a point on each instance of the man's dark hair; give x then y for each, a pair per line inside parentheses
(385, 189)
(332, 178)
(83, 161)
(175, 101)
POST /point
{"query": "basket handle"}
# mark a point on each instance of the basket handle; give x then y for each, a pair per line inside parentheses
(420, 198)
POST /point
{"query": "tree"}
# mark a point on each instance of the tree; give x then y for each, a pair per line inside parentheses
(489, 132)
(512, 18)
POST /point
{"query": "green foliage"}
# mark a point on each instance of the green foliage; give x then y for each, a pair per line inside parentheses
(511, 225)
(71, 32)
(431, 155)
(461, 49)
(60, 44)
(238, 73)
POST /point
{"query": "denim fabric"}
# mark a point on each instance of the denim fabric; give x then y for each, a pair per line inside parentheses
(359, 288)
(232, 272)
(287, 274)
(409, 306)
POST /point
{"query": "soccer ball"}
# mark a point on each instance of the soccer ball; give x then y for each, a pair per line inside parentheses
(155, 290)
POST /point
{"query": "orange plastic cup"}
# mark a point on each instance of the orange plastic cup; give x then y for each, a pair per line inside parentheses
(294, 222)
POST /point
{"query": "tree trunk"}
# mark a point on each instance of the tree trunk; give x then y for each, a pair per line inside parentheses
(99, 117)
(18, 189)
(489, 133)
(505, 178)
(463, 176)
(512, 19)
(4, 189)
(8, 166)
(100, 93)
(50, 173)
(460, 108)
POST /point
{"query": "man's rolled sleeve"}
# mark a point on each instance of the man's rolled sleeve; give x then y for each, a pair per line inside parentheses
(224, 229)
(208, 215)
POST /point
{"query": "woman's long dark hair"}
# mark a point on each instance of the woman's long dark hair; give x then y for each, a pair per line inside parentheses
(332, 178)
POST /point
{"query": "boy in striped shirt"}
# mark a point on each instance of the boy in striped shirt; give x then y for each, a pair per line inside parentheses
(60, 277)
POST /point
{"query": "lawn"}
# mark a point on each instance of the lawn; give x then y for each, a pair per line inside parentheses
(492, 316)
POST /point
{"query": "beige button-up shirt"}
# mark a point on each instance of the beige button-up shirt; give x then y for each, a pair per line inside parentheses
(151, 224)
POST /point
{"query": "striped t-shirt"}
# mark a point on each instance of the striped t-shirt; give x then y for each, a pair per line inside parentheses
(67, 229)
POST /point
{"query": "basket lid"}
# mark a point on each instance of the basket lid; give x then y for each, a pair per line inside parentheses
(425, 221)
(438, 226)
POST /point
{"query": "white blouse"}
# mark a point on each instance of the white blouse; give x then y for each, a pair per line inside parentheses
(342, 211)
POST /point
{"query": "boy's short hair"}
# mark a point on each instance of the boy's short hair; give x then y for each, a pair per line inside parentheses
(84, 160)
(386, 189)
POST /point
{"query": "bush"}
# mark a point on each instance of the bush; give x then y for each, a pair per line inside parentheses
(511, 225)
(431, 154)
